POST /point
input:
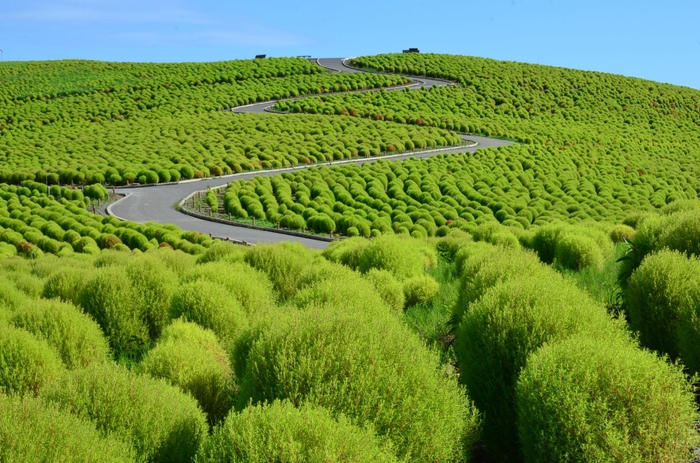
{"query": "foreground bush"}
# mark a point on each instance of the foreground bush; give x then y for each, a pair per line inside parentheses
(27, 364)
(75, 336)
(505, 325)
(210, 306)
(604, 400)
(190, 357)
(403, 257)
(32, 430)
(575, 251)
(420, 290)
(388, 287)
(283, 263)
(395, 383)
(281, 432)
(66, 284)
(162, 423)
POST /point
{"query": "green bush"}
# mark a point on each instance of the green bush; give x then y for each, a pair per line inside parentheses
(163, 423)
(455, 240)
(389, 288)
(404, 258)
(283, 263)
(32, 430)
(110, 299)
(250, 287)
(576, 251)
(153, 284)
(73, 335)
(621, 232)
(545, 240)
(420, 290)
(27, 364)
(604, 400)
(222, 250)
(210, 306)
(505, 325)
(396, 385)
(190, 357)
(660, 291)
(484, 266)
(282, 432)
(347, 252)
(66, 284)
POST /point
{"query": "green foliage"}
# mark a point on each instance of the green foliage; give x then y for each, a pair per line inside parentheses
(191, 358)
(308, 356)
(507, 323)
(73, 335)
(576, 251)
(222, 250)
(27, 364)
(662, 297)
(420, 290)
(347, 252)
(404, 258)
(153, 284)
(65, 284)
(210, 306)
(570, 404)
(281, 432)
(32, 430)
(162, 422)
(389, 288)
(283, 263)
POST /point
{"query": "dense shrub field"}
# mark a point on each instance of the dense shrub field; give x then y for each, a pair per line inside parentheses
(534, 303)
(81, 121)
(35, 221)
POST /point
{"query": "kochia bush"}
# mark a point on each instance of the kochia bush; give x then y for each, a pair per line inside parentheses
(73, 335)
(420, 290)
(404, 258)
(604, 400)
(283, 263)
(576, 251)
(396, 385)
(163, 423)
(190, 357)
(388, 287)
(505, 325)
(33, 430)
(282, 432)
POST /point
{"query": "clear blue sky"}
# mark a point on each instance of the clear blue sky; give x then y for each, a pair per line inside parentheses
(654, 40)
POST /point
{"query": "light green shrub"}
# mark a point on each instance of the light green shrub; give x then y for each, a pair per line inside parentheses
(27, 364)
(482, 267)
(604, 400)
(621, 232)
(222, 250)
(388, 287)
(163, 423)
(190, 357)
(33, 430)
(283, 263)
(110, 299)
(455, 240)
(403, 257)
(505, 325)
(111, 257)
(10, 296)
(247, 285)
(282, 432)
(664, 287)
(347, 252)
(210, 306)
(66, 284)
(576, 251)
(420, 290)
(177, 261)
(545, 240)
(153, 284)
(73, 335)
(396, 386)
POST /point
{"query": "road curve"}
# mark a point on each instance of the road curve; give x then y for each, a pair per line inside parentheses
(157, 203)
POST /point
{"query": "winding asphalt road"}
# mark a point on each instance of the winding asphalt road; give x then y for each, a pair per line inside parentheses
(157, 203)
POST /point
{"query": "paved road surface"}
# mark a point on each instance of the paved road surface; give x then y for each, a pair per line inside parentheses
(157, 203)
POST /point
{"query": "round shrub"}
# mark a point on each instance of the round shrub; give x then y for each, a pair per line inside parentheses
(65, 284)
(396, 385)
(153, 284)
(347, 252)
(163, 423)
(190, 357)
(282, 262)
(73, 335)
(681, 232)
(110, 299)
(249, 286)
(604, 400)
(545, 239)
(404, 258)
(282, 432)
(621, 232)
(27, 364)
(222, 250)
(388, 287)
(575, 251)
(505, 325)
(210, 306)
(420, 290)
(665, 286)
(33, 430)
